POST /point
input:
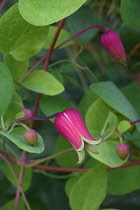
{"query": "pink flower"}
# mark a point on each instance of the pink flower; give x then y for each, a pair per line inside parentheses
(71, 126)
(112, 42)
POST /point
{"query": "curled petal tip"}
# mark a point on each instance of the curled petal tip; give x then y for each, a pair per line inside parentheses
(81, 156)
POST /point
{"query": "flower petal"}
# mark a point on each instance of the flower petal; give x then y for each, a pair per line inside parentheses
(76, 119)
(81, 156)
(68, 131)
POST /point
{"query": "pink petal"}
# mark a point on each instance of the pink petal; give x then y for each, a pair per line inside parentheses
(78, 122)
(68, 131)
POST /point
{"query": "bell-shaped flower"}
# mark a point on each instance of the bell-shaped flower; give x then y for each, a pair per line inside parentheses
(113, 44)
(71, 126)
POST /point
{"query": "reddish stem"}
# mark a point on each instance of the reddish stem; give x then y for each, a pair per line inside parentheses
(61, 23)
(80, 33)
(2, 4)
(22, 169)
(48, 57)
(71, 38)
(135, 48)
(135, 122)
(61, 169)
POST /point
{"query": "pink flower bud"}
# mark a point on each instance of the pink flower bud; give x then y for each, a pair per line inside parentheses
(122, 151)
(113, 44)
(28, 113)
(31, 137)
(71, 126)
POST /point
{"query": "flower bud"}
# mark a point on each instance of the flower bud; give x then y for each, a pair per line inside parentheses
(122, 151)
(113, 44)
(31, 137)
(28, 113)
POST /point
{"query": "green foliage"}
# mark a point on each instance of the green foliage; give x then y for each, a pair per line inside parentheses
(17, 137)
(132, 92)
(87, 186)
(123, 126)
(107, 154)
(19, 38)
(95, 118)
(115, 99)
(54, 104)
(13, 108)
(81, 19)
(17, 68)
(10, 205)
(68, 159)
(6, 88)
(42, 13)
(130, 13)
(63, 36)
(123, 181)
(81, 75)
(42, 82)
(26, 179)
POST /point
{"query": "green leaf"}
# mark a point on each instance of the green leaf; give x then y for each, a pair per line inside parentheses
(70, 183)
(42, 82)
(115, 98)
(87, 101)
(96, 115)
(132, 92)
(6, 88)
(123, 126)
(26, 178)
(91, 182)
(68, 159)
(107, 154)
(128, 35)
(17, 137)
(47, 12)
(113, 120)
(123, 181)
(53, 104)
(130, 13)
(63, 36)
(10, 205)
(13, 109)
(17, 68)
(19, 38)
(81, 19)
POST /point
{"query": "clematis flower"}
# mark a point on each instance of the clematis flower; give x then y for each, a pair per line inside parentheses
(113, 44)
(71, 126)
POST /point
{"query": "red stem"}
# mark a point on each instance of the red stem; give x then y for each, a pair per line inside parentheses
(2, 4)
(80, 33)
(18, 189)
(60, 25)
(61, 169)
(71, 38)
(22, 169)
(48, 57)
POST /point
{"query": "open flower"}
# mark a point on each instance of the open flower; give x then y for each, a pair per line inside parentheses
(71, 126)
(113, 44)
